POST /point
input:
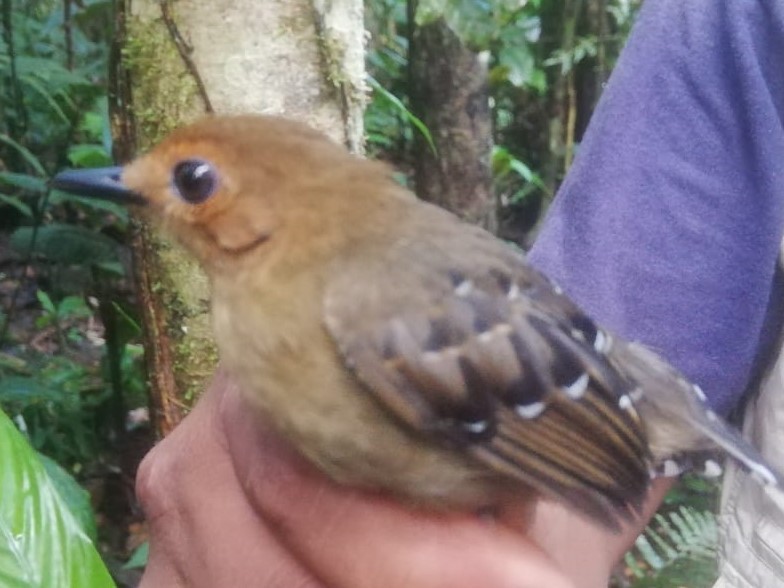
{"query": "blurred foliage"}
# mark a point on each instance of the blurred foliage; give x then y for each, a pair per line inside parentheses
(677, 549)
(547, 62)
(53, 114)
(508, 30)
(70, 361)
(139, 557)
(679, 546)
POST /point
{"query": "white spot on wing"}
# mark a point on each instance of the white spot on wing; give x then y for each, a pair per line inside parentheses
(603, 342)
(712, 469)
(530, 411)
(499, 329)
(577, 388)
(486, 336)
(625, 402)
(464, 288)
(670, 468)
(514, 292)
(476, 427)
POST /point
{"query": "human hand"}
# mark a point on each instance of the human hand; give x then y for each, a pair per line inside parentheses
(229, 504)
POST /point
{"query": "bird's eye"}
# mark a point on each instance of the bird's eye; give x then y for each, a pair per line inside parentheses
(195, 180)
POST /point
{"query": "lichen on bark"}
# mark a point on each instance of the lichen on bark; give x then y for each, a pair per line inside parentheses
(164, 95)
(181, 351)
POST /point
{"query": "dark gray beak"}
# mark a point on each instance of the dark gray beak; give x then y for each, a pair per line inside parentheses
(103, 182)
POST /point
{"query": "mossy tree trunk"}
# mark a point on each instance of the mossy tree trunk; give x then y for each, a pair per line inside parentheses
(449, 93)
(176, 61)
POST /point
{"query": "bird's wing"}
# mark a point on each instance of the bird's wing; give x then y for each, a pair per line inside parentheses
(490, 356)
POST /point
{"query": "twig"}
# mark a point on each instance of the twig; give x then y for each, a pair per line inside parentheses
(185, 51)
(68, 33)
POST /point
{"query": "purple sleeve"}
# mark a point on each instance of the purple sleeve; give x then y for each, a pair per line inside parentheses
(668, 227)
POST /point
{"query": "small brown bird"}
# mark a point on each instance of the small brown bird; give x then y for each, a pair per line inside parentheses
(401, 349)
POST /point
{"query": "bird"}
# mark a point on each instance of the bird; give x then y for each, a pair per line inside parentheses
(402, 350)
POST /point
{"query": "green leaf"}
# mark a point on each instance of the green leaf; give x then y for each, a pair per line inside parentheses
(677, 549)
(46, 302)
(92, 124)
(75, 497)
(538, 81)
(24, 390)
(23, 181)
(41, 542)
(72, 307)
(427, 11)
(13, 363)
(519, 63)
(28, 156)
(95, 204)
(49, 71)
(395, 101)
(48, 98)
(139, 557)
(504, 163)
(18, 204)
(114, 268)
(128, 327)
(66, 244)
(88, 156)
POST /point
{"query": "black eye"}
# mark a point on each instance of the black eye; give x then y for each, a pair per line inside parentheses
(195, 180)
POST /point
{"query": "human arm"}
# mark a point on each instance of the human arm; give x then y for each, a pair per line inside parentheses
(669, 225)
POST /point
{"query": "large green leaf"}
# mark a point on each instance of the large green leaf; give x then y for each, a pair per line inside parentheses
(42, 544)
(69, 244)
(76, 498)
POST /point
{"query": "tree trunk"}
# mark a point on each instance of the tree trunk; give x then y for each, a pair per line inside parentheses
(177, 61)
(592, 72)
(449, 93)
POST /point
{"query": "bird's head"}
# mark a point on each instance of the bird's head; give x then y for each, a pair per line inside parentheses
(227, 186)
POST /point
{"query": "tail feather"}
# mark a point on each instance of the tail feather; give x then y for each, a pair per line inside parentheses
(735, 446)
(684, 433)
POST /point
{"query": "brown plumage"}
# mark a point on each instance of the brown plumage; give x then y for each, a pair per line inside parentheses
(397, 347)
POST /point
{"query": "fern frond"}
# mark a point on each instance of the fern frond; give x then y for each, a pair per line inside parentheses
(683, 539)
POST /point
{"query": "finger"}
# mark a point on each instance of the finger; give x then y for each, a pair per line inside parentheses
(581, 548)
(350, 539)
(203, 531)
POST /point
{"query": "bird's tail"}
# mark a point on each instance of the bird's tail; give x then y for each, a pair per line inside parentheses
(729, 441)
(684, 433)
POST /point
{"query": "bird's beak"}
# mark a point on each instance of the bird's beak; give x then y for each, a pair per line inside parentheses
(102, 182)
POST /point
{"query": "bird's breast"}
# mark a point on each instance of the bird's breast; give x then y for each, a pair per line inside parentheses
(290, 370)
